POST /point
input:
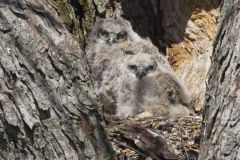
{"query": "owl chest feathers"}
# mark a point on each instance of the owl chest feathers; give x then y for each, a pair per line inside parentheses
(130, 72)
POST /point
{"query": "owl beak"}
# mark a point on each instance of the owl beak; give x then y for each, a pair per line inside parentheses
(140, 74)
(111, 39)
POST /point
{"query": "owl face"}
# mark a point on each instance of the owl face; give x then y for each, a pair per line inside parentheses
(142, 64)
(112, 32)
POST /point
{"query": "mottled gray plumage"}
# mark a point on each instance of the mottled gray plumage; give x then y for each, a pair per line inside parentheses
(146, 86)
(141, 80)
(131, 75)
(107, 35)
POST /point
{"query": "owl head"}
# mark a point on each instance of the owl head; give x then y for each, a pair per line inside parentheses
(112, 31)
(141, 64)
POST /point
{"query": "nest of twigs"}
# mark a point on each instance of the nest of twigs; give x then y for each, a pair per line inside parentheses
(155, 138)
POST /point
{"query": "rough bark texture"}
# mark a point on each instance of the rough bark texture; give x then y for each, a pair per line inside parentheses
(47, 104)
(221, 134)
(79, 15)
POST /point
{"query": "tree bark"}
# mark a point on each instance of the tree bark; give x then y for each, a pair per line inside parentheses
(221, 138)
(48, 109)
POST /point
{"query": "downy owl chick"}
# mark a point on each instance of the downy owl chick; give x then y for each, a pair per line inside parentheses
(107, 35)
(145, 85)
(109, 83)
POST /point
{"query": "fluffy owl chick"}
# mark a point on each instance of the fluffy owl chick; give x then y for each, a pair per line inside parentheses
(148, 86)
(110, 31)
(107, 35)
(108, 84)
(146, 46)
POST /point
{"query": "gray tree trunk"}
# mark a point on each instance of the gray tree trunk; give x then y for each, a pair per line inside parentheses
(221, 132)
(48, 109)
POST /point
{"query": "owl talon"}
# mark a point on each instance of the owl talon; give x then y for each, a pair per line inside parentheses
(144, 115)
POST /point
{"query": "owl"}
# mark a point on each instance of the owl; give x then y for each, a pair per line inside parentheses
(107, 35)
(112, 31)
(116, 58)
(141, 80)
(148, 86)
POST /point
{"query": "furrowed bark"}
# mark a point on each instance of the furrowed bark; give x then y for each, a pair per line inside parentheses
(48, 109)
(221, 138)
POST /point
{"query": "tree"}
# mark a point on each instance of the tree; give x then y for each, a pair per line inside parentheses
(221, 138)
(48, 109)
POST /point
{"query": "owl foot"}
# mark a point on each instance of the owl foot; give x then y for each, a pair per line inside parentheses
(125, 112)
(144, 115)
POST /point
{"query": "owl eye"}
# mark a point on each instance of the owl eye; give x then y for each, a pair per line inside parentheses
(104, 33)
(121, 36)
(150, 67)
(132, 67)
(129, 52)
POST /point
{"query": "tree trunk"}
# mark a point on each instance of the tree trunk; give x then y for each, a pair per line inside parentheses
(221, 138)
(48, 109)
